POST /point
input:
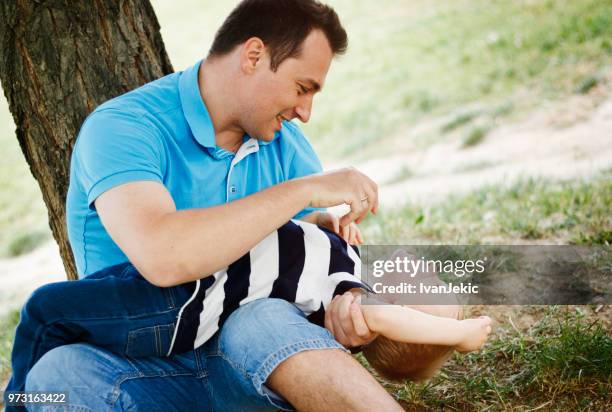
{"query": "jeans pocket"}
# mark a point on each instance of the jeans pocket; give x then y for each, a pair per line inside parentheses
(149, 341)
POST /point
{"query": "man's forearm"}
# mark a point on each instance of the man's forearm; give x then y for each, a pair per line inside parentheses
(195, 243)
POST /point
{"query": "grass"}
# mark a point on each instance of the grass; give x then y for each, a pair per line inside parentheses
(562, 362)
(459, 120)
(26, 242)
(23, 216)
(405, 172)
(7, 333)
(417, 60)
(587, 84)
(575, 212)
(473, 166)
(475, 136)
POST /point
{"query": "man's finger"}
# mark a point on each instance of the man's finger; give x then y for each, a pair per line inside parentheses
(348, 218)
(344, 316)
(359, 236)
(346, 233)
(328, 321)
(336, 223)
(371, 200)
(359, 323)
(353, 234)
(373, 196)
(338, 333)
(357, 209)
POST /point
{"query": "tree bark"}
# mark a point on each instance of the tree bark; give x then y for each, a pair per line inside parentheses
(59, 60)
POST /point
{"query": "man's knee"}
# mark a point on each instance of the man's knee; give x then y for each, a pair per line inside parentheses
(86, 373)
(69, 366)
(260, 335)
(48, 372)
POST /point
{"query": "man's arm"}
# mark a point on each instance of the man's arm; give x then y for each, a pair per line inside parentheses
(171, 247)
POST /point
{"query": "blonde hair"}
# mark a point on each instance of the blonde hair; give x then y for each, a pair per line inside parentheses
(400, 361)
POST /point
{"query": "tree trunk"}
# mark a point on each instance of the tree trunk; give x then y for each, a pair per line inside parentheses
(59, 60)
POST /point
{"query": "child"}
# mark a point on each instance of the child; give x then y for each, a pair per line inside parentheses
(302, 263)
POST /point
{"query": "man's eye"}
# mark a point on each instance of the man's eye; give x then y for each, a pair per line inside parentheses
(302, 89)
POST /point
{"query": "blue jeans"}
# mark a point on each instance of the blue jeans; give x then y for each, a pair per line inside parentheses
(130, 322)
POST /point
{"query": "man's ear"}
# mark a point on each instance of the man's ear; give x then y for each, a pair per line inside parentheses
(253, 51)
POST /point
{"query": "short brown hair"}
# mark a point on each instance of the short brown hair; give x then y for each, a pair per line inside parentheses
(281, 24)
(399, 361)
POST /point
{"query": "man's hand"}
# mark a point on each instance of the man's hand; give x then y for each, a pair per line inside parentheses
(348, 186)
(350, 233)
(344, 319)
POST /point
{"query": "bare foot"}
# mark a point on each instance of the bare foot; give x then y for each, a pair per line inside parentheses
(476, 332)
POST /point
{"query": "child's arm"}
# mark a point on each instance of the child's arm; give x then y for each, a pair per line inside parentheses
(403, 324)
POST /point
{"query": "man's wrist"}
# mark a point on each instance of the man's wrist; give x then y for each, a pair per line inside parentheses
(302, 188)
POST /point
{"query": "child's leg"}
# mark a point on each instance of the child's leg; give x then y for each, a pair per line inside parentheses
(405, 324)
(116, 309)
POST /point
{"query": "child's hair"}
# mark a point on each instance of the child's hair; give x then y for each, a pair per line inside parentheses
(399, 361)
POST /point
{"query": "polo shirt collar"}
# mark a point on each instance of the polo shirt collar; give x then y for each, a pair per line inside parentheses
(194, 109)
(196, 113)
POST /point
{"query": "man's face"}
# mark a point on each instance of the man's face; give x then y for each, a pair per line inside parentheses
(287, 93)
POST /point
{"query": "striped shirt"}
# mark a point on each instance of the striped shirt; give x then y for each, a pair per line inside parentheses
(300, 263)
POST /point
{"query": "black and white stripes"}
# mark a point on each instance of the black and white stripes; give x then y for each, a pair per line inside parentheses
(300, 262)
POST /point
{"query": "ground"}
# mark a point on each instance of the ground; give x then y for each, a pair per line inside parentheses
(483, 122)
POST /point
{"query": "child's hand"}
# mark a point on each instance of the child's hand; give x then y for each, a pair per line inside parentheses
(350, 233)
(476, 332)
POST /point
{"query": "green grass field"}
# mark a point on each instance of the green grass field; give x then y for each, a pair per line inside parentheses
(478, 64)
(566, 212)
(561, 362)
(412, 60)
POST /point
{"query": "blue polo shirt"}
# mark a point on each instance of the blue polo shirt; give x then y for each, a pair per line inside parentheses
(162, 132)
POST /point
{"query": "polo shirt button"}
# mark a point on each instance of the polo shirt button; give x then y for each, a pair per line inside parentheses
(232, 189)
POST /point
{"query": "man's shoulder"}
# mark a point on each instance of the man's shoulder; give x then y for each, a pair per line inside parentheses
(154, 98)
(292, 135)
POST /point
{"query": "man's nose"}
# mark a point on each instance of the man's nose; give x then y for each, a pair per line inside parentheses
(304, 109)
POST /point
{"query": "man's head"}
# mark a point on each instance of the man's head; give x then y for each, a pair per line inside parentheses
(283, 49)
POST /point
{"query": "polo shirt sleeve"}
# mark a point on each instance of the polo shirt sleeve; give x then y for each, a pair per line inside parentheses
(304, 162)
(114, 148)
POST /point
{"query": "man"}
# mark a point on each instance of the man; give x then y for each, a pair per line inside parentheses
(184, 175)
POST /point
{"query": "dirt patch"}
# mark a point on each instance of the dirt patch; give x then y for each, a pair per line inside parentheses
(566, 140)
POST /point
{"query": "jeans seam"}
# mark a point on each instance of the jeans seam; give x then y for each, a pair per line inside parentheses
(157, 340)
(75, 408)
(234, 365)
(105, 317)
(259, 377)
(170, 298)
(125, 270)
(116, 390)
(131, 336)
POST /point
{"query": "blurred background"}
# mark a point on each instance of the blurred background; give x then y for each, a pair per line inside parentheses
(482, 122)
